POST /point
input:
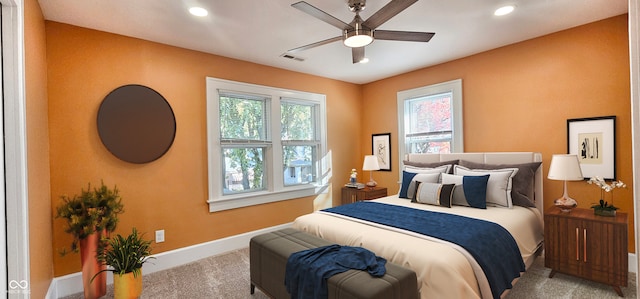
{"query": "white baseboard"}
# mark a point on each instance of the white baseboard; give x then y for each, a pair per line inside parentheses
(71, 284)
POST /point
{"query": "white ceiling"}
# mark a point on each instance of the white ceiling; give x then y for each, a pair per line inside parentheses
(261, 31)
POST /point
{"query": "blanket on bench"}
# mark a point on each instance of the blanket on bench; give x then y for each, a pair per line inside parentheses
(307, 271)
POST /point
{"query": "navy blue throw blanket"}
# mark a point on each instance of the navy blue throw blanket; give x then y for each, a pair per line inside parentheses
(490, 244)
(307, 271)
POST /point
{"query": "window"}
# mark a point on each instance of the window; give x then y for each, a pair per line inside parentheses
(243, 140)
(299, 131)
(430, 119)
(429, 129)
(265, 144)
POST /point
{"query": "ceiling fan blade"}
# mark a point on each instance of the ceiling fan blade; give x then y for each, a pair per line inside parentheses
(319, 14)
(316, 44)
(409, 36)
(387, 12)
(357, 54)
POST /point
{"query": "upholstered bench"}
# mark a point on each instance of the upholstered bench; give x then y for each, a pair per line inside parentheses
(269, 253)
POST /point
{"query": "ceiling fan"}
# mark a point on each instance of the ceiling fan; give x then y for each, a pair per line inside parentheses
(360, 33)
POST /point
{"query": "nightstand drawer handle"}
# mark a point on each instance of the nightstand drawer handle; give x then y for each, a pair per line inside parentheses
(577, 244)
(585, 245)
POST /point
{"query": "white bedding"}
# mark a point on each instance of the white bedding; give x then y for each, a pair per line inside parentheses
(443, 272)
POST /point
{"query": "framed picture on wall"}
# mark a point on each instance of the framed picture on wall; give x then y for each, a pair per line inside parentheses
(594, 141)
(381, 148)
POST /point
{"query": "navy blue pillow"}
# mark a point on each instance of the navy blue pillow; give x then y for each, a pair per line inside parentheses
(475, 190)
(406, 180)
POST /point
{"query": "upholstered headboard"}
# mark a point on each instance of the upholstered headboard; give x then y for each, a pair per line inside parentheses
(492, 158)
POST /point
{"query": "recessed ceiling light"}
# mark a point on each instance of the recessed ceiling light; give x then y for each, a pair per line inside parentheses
(198, 11)
(505, 10)
(364, 60)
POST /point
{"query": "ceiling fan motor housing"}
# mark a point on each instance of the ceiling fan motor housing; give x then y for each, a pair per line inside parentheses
(355, 38)
(356, 5)
(357, 35)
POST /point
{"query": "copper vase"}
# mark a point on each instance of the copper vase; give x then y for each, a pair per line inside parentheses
(90, 267)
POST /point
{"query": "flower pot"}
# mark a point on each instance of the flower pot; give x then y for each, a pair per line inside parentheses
(606, 213)
(90, 266)
(127, 286)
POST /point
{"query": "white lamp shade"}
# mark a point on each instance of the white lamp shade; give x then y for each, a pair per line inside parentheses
(370, 163)
(565, 168)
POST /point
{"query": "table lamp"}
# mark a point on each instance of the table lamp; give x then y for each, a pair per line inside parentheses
(371, 164)
(565, 168)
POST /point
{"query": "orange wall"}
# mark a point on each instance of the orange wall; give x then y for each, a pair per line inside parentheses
(519, 97)
(170, 193)
(40, 233)
(580, 72)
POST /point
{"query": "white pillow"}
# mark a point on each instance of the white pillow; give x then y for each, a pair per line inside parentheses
(414, 169)
(439, 169)
(423, 178)
(498, 186)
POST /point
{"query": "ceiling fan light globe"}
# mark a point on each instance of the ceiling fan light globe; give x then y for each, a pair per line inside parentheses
(357, 38)
(504, 10)
(198, 11)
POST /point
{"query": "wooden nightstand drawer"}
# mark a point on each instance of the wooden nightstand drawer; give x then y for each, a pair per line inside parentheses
(351, 195)
(374, 193)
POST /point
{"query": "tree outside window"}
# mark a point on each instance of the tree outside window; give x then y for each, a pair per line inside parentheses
(430, 119)
(430, 128)
(264, 144)
(242, 128)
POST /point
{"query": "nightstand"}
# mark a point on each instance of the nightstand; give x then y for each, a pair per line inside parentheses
(351, 195)
(582, 244)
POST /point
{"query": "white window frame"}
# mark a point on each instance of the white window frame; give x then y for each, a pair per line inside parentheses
(317, 115)
(453, 86)
(264, 143)
(275, 190)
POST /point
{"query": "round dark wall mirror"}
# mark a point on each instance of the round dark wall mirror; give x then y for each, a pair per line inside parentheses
(136, 124)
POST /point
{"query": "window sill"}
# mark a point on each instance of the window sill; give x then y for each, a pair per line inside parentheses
(256, 198)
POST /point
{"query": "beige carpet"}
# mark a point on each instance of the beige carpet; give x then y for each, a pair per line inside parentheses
(227, 276)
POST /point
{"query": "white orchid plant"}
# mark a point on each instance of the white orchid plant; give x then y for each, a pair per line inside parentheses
(605, 187)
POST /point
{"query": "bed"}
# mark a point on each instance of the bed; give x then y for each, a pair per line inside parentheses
(444, 269)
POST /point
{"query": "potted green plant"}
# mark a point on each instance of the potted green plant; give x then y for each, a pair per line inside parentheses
(90, 216)
(125, 256)
(603, 208)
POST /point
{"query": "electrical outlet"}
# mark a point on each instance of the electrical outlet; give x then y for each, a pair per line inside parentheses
(160, 236)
